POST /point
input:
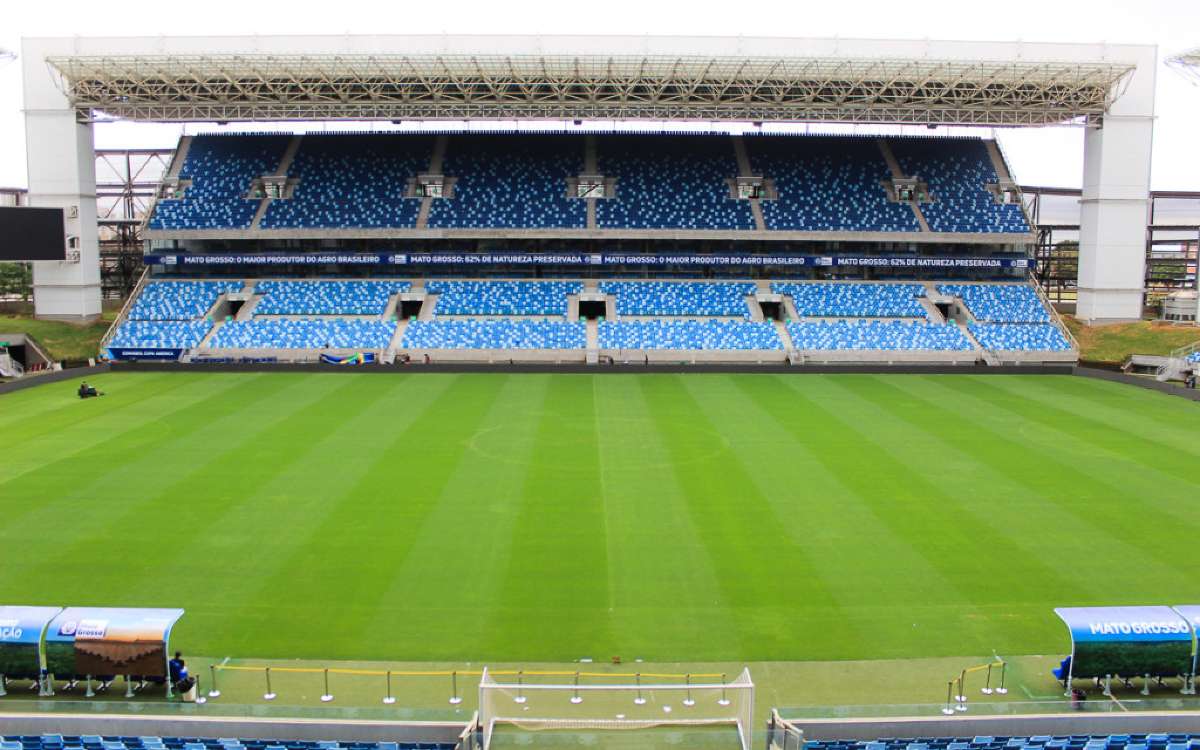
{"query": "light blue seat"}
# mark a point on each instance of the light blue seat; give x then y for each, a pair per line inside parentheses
(688, 335)
(502, 297)
(680, 298)
(468, 333)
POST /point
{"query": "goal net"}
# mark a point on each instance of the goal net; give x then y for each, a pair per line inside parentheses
(546, 701)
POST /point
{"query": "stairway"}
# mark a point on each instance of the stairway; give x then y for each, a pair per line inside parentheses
(593, 342)
(744, 170)
(898, 174)
(398, 337)
(435, 167)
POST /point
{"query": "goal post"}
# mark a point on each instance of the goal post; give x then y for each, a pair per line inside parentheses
(540, 701)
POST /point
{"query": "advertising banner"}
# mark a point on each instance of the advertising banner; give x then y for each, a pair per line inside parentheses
(1128, 641)
(110, 641)
(21, 631)
(581, 259)
(365, 358)
(143, 353)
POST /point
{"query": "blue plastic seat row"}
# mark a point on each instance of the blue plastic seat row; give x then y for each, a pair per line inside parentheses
(160, 334)
(326, 297)
(855, 300)
(179, 300)
(688, 334)
(877, 336)
(1025, 337)
(502, 297)
(1000, 303)
(684, 298)
(1158, 741)
(494, 334)
(283, 333)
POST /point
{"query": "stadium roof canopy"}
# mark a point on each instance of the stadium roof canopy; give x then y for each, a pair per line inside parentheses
(659, 78)
(1187, 63)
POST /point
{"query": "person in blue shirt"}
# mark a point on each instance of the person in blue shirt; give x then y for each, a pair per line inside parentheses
(177, 668)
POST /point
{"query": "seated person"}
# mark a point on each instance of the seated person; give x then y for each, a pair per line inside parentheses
(87, 391)
(177, 668)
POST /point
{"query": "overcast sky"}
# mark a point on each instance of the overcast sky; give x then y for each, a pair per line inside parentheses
(1046, 156)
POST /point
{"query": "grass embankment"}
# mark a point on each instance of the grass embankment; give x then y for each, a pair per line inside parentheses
(60, 340)
(1112, 344)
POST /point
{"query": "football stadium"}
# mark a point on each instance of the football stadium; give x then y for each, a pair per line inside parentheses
(633, 412)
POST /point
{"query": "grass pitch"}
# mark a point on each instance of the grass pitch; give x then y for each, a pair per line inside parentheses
(553, 517)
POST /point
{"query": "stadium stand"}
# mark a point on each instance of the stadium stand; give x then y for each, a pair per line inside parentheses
(1194, 357)
(352, 181)
(494, 334)
(1161, 741)
(677, 182)
(106, 742)
(877, 336)
(854, 300)
(957, 171)
(221, 168)
(683, 298)
(1020, 337)
(160, 334)
(511, 182)
(1000, 303)
(688, 335)
(179, 300)
(326, 297)
(286, 333)
(503, 297)
(827, 183)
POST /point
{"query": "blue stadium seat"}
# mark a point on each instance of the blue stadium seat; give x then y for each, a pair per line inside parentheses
(855, 300)
(680, 298)
(877, 336)
(688, 334)
(304, 333)
(326, 297)
(502, 297)
(1000, 303)
(179, 300)
(159, 334)
(221, 168)
(1020, 337)
(494, 334)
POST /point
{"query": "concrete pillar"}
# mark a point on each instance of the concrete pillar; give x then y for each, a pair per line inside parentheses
(1115, 204)
(60, 156)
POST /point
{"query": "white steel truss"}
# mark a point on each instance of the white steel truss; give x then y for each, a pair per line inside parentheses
(1187, 63)
(229, 87)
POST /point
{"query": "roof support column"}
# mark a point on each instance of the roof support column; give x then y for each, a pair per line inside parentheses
(60, 157)
(1115, 204)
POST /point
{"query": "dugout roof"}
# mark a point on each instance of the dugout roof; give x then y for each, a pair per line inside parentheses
(657, 78)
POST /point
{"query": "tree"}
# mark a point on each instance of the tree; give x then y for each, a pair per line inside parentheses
(16, 279)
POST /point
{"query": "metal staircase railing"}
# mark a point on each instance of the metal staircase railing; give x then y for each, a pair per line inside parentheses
(137, 290)
(1054, 314)
(1176, 362)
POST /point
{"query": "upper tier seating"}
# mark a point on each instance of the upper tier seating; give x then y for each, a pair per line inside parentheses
(511, 182)
(688, 334)
(494, 334)
(1037, 337)
(160, 334)
(957, 171)
(326, 297)
(694, 298)
(179, 300)
(676, 182)
(283, 333)
(1160, 741)
(352, 181)
(221, 168)
(502, 297)
(112, 742)
(877, 336)
(1000, 303)
(827, 183)
(855, 300)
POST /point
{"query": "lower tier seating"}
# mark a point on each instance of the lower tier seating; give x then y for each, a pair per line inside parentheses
(494, 334)
(115, 742)
(877, 336)
(1157, 741)
(1194, 357)
(688, 334)
(274, 333)
(160, 334)
(1012, 337)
